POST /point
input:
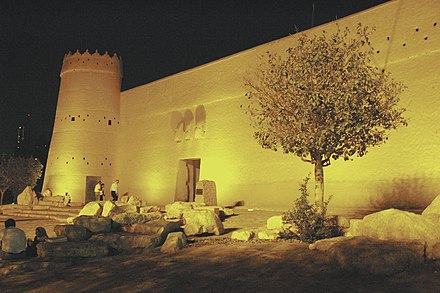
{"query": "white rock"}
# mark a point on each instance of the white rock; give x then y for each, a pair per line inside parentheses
(108, 208)
(26, 197)
(175, 210)
(275, 222)
(242, 235)
(127, 208)
(93, 208)
(202, 221)
(149, 209)
(268, 234)
(133, 200)
(394, 224)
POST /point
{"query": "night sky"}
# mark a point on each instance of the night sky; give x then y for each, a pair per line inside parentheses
(154, 38)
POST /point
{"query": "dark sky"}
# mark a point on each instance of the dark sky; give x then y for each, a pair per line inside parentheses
(154, 38)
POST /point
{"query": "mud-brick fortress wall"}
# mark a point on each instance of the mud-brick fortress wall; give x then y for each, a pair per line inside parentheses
(86, 123)
(196, 114)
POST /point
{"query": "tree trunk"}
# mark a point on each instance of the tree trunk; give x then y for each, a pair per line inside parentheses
(319, 183)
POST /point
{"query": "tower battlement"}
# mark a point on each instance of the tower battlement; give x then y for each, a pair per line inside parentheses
(92, 63)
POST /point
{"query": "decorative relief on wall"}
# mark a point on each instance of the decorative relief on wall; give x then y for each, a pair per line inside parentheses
(189, 124)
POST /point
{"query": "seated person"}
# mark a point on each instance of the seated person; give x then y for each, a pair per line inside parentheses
(12, 241)
(40, 236)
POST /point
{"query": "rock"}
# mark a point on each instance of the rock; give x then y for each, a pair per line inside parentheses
(214, 209)
(133, 200)
(174, 242)
(268, 234)
(175, 210)
(92, 208)
(383, 257)
(227, 211)
(242, 235)
(124, 199)
(72, 232)
(54, 199)
(149, 209)
(394, 224)
(109, 208)
(26, 197)
(126, 208)
(159, 227)
(127, 242)
(95, 224)
(325, 244)
(206, 192)
(133, 218)
(83, 249)
(433, 207)
(202, 221)
(275, 222)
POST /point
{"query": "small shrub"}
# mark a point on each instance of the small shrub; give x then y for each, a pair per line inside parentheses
(309, 221)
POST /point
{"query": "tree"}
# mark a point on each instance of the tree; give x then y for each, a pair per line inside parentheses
(323, 99)
(17, 173)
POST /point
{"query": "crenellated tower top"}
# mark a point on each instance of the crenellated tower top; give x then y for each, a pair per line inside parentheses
(92, 63)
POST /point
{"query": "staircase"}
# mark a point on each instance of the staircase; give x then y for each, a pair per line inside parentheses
(43, 210)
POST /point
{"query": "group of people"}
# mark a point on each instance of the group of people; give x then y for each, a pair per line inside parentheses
(13, 242)
(99, 190)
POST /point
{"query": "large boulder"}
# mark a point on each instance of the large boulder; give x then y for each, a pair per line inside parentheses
(109, 208)
(325, 244)
(268, 234)
(242, 235)
(275, 222)
(26, 197)
(383, 257)
(127, 242)
(83, 249)
(126, 208)
(149, 209)
(433, 208)
(133, 218)
(72, 232)
(395, 224)
(159, 227)
(92, 208)
(174, 242)
(95, 224)
(133, 200)
(202, 221)
(175, 210)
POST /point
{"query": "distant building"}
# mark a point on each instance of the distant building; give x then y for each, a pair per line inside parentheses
(160, 138)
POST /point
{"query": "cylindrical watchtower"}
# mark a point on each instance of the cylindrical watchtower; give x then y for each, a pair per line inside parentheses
(83, 146)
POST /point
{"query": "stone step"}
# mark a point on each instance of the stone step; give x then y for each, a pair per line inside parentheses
(24, 208)
(48, 212)
(16, 214)
(60, 204)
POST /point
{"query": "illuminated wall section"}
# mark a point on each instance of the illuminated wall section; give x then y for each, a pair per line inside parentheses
(160, 125)
(87, 118)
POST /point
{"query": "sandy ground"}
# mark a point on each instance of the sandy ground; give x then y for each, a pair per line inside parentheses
(219, 265)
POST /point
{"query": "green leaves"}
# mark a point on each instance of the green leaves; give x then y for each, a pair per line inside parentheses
(324, 99)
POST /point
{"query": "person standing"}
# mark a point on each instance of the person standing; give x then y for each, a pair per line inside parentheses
(12, 241)
(98, 190)
(101, 192)
(114, 190)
